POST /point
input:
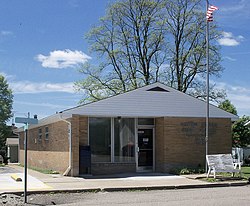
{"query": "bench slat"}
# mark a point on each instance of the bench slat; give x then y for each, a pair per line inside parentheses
(221, 163)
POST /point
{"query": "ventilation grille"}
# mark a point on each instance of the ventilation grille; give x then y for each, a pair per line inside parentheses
(158, 89)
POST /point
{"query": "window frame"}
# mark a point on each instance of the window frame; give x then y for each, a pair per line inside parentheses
(112, 142)
(40, 134)
(46, 133)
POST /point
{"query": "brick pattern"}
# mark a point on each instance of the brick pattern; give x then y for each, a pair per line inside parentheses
(57, 140)
(159, 144)
(180, 142)
(50, 160)
(47, 154)
(79, 138)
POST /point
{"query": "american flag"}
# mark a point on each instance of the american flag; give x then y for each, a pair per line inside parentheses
(210, 11)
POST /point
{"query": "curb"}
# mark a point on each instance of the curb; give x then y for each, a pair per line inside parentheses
(20, 193)
(121, 189)
(138, 188)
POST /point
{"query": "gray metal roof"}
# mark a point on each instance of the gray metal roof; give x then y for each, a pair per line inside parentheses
(146, 102)
(155, 100)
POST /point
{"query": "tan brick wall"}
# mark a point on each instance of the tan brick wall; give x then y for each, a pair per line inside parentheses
(180, 142)
(57, 146)
(50, 160)
(57, 141)
(83, 131)
(79, 138)
(47, 154)
(159, 144)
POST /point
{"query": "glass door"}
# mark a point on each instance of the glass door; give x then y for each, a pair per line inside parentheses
(145, 150)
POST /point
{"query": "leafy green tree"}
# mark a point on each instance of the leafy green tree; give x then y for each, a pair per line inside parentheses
(139, 42)
(6, 100)
(228, 106)
(241, 132)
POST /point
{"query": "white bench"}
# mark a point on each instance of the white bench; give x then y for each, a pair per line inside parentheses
(222, 163)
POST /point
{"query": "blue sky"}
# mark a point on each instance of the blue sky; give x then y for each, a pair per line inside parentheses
(42, 43)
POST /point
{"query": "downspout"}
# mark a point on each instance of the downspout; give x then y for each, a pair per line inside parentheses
(66, 173)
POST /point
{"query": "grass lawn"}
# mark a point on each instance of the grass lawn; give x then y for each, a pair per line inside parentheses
(245, 172)
(44, 171)
(245, 175)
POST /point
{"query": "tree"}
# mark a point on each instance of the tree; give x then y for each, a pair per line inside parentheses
(187, 66)
(241, 132)
(228, 106)
(144, 41)
(129, 40)
(6, 100)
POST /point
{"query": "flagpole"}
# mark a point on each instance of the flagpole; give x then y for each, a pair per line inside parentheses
(207, 84)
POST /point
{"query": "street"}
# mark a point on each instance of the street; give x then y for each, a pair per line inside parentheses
(208, 196)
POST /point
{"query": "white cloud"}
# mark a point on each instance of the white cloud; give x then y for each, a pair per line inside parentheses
(6, 33)
(34, 87)
(228, 39)
(239, 96)
(63, 59)
(229, 58)
(49, 105)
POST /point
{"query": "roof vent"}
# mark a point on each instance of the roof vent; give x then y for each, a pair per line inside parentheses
(158, 89)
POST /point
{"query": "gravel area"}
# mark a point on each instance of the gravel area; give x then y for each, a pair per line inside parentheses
(11, 200)
(43, 199)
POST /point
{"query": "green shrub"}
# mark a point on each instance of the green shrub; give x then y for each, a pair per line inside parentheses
(4, 155)
(187, 171)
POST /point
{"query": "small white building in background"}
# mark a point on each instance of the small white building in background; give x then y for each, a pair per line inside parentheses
(242, 153)
(12, 143)
(247, 149)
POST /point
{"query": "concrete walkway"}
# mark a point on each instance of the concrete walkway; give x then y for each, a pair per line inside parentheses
(39, 182)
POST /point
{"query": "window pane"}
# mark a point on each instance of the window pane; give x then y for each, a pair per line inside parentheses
(100, 139)
(124, 138)
(39, 134)
(145, 121)
(46, 133)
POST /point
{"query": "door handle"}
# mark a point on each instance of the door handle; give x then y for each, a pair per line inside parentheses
(138, 149)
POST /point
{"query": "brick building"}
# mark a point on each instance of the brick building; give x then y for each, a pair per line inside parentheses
(153, 128)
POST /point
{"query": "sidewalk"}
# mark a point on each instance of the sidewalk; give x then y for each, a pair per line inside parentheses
(39, 182)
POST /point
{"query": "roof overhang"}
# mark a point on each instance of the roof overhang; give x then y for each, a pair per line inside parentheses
(12, 141)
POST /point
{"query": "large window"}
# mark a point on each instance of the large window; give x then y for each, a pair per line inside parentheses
(112, 140)
(100, 139)
(124, 140)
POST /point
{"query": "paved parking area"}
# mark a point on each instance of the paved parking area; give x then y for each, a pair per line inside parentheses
(46, 182)
(7, 184)
(4, 170)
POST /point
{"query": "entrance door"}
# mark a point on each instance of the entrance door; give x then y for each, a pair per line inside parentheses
(145, 150)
